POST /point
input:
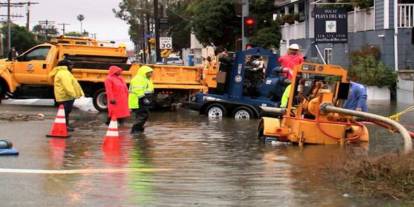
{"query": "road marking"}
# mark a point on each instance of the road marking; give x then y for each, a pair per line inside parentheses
(82, 171)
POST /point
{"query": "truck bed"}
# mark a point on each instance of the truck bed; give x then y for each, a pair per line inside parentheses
(164, 76)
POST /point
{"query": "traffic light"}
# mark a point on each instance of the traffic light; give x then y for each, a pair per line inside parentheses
(249, 26)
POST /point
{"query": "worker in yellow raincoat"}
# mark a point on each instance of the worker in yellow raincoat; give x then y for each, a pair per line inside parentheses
(66, 87)
(141, 89)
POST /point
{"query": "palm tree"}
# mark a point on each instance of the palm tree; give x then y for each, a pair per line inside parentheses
(80, 18)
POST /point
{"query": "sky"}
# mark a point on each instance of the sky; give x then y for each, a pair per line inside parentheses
(99, 17)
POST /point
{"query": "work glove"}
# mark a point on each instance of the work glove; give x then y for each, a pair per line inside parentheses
(112, 102)
(146, 101)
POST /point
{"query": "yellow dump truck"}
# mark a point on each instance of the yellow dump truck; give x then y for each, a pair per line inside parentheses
(27, 75)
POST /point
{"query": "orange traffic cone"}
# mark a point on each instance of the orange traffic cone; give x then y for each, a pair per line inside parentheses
(111, 139)
(59, 129)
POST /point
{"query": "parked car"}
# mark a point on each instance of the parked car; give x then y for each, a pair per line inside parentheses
(175, 61)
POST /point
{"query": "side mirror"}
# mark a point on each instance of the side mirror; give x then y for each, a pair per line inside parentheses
(278, 69)
(20, 58)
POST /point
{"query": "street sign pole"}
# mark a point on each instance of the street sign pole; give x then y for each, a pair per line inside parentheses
(8, 27)
(245, 13)
(157, 32)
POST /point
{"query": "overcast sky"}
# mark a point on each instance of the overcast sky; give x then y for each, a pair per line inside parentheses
(99, 17)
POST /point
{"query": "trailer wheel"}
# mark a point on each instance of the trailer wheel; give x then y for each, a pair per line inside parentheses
(1, 93)
(242, 113)
(99, 100)
(216, 111)
(260, 132)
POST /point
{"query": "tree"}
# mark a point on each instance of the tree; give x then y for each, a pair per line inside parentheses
(267, 37)
(215, 23)
(268, 31)
(43, 34)
(179, 25)
(132, 12)
(21, 39)
(77, 34)
(80, 18)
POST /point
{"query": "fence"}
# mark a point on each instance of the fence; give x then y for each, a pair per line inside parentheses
(405, 15)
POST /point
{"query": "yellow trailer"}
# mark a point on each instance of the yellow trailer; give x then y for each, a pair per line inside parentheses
(27, 75)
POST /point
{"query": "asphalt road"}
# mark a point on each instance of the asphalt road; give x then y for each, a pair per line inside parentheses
(182, 159)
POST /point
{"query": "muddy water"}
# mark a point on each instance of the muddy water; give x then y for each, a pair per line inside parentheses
(207, 163)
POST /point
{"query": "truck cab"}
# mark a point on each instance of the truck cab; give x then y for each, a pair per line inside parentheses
(254, 81)
(29, 69)
(27, 76)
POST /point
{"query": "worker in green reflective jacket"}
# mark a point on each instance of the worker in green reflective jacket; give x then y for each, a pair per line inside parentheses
(141, 89)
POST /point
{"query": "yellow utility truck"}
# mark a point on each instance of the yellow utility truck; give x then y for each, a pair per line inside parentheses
(27, 75)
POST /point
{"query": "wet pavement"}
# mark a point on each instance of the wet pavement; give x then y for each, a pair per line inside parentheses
(182, 159)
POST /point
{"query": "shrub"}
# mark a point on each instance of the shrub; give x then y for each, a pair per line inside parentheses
(367, 68)
(389, 176)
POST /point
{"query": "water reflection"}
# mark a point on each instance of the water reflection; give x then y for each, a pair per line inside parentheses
(212, 163)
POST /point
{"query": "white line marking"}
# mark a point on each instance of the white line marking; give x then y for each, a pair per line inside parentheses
(82, 171)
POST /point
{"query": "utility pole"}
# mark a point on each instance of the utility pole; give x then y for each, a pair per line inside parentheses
(148, 37)
(142, 25)
(45, 26)
(8, 26)
(157, 32)
(245, 13)
(63, 27)
(29, 3)
(9, 5)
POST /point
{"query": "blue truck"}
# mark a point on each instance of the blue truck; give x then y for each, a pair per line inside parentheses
(253, 80)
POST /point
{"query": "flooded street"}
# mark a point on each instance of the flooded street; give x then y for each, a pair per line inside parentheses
(182, 159)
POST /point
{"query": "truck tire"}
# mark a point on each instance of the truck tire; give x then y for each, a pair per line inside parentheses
(216, 111)
(1, 93)
(99, 100)
(242, 113)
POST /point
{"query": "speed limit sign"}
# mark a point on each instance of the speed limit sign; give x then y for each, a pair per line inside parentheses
(165, 43)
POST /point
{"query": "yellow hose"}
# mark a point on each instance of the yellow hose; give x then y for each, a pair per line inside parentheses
(408, 144)
(397, 116)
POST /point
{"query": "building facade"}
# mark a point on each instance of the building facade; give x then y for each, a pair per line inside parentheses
(373, 26)
(387, 25)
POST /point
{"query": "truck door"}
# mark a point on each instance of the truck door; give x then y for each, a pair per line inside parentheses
(33, 66)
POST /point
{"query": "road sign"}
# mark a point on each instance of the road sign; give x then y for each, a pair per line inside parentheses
(164, 23)
(147, 36)
(165, 43)
(331, 25)
(165, 53)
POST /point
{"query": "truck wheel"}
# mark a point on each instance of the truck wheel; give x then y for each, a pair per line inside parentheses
(242, 113)
(216, 111)
(260, 132)
(99, 100)
(1, 93)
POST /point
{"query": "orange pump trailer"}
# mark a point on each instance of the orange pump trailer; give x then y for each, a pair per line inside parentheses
(302, 121)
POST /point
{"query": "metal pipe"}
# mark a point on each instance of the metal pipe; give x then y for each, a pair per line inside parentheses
(273, 109)
(396, 64)
(408, 146)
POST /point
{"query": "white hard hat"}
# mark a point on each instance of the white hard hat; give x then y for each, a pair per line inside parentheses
(294, 47)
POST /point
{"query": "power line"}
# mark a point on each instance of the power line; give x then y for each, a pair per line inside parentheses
(63, 27)
(11, 16)
(9, 5)
(29, 3)
(46, 25)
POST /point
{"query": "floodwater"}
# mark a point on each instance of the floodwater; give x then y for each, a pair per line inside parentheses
(182, 159)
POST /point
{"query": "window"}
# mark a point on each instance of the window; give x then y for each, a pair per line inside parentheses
(328, 55)
(173, 59)
(39, 53)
